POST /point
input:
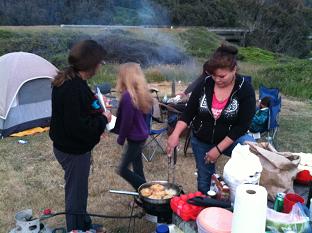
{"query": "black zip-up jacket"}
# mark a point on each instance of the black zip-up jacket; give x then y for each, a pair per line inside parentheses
(235, 118)
(76, 122)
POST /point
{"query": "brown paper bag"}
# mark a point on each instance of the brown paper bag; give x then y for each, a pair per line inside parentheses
(279, 168)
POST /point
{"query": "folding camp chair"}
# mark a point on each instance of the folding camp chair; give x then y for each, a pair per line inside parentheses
(275, 108)
(153, 143)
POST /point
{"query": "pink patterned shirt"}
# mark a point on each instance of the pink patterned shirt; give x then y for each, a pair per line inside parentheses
(217, 106)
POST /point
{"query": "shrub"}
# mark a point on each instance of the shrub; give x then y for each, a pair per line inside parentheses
(252, 54)
(106, 74)
(292, 79)
(154, 75)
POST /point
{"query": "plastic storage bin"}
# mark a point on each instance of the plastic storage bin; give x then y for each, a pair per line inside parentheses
(214, 220)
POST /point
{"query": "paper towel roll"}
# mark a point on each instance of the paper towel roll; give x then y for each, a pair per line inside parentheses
(249, 209)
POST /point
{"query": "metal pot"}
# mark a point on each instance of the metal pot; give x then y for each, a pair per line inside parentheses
(166, 184)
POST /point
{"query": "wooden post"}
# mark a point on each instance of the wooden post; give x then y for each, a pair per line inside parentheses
(173, 88)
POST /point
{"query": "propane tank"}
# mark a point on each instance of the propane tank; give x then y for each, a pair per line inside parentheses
(25, 223)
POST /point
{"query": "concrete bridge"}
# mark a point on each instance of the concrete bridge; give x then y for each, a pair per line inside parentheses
(236, 35)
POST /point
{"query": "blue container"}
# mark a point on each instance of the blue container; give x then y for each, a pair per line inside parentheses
(163, 228)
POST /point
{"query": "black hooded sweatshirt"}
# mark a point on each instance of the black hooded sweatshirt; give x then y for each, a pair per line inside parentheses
(77, 122)
(235, 118)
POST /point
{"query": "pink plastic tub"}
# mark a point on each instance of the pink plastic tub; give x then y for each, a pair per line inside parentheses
(214, 220)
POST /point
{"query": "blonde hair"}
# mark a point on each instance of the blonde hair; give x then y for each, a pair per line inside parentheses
(131, 78)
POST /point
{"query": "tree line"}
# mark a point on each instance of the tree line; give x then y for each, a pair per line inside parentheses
(278, 25)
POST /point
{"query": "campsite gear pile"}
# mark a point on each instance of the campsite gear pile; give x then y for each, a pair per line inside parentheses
(25, 92)
(251, 199)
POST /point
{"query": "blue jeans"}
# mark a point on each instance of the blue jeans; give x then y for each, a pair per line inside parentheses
(204, 170)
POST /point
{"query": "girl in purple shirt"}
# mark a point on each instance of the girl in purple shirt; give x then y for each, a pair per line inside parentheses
(135, 103)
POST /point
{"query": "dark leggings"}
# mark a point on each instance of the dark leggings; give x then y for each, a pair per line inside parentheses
(76, 168)
(132, 155)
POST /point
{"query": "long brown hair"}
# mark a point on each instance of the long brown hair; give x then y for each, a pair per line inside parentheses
(225, 57)
(83, 56)
(131, 78)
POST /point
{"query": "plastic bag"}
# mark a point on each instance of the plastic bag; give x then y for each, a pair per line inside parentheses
(233, 173)
(279, 169)
(296, 221)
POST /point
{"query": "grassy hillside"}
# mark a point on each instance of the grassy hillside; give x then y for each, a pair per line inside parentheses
(291, 75)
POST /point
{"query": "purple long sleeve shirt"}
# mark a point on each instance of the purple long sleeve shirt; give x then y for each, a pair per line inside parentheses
(131, 122)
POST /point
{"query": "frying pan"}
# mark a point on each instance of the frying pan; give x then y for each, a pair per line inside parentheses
(166, 184)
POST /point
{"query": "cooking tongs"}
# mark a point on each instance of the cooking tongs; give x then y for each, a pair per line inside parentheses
(172, 161)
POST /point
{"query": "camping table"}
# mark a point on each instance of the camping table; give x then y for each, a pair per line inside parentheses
(191, 227)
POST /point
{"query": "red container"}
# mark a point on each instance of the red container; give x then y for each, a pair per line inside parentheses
(183, 209)
(291, 199)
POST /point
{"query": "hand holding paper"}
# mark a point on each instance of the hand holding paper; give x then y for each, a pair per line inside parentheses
(112, 120)
(100, 98)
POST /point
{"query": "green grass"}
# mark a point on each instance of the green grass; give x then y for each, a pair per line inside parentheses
(199, 42)
(257, 55)
(295, 129)
(293, 79)
(157, 73)
(184, 73)
(106, 74)
(294, 134)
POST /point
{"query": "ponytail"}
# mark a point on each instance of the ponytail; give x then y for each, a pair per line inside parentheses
(67, 74)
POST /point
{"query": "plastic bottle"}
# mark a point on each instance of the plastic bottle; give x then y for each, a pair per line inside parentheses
(165, 99)
(162, 228)
(212, 185)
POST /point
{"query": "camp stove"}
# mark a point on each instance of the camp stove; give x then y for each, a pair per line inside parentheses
(25, 223)
(160, 213)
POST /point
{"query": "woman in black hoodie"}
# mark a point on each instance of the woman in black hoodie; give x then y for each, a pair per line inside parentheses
(77, 124)
(220, 108)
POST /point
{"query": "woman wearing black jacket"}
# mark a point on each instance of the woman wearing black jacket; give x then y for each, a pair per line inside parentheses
(77, 124)
(220, 108)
